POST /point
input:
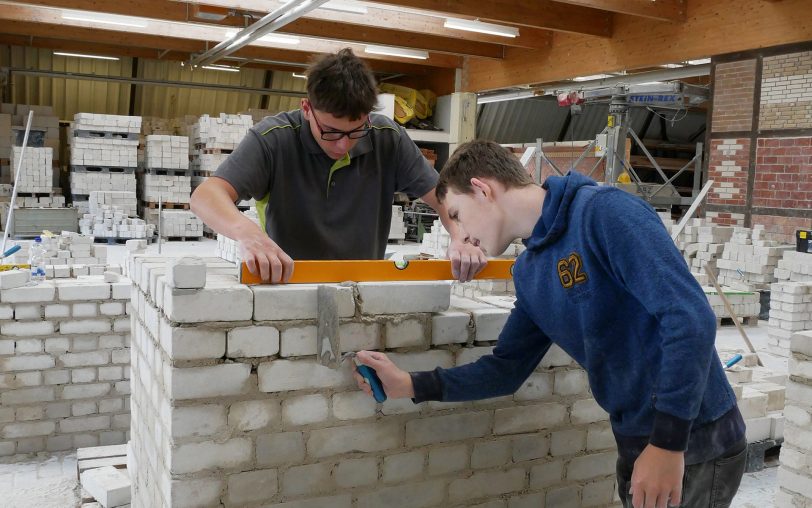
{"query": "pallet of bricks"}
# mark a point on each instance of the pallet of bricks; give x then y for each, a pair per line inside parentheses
(213, 139)
(790, 301)
(35, 188)
(112, 218)
(104, 155)
(166, 183)
(67, 255)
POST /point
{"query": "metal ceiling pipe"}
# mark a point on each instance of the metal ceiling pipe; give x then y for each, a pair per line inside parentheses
(280, 17)
(688, 71)
(152, 82)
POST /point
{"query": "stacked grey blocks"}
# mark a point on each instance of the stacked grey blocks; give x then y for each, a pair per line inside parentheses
(795, 473)
(175, 223)
(227, 248)
(760, 394)
(230, 407)
(64, 363)
(210, 137)
(790, 300)
(748, 262)
(36, 171)
(104, 153)
(166, 177)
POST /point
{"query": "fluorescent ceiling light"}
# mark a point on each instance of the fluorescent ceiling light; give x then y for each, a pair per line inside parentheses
(506, 96)
(592, 77)
(272, 38)
(701, 61)
(335, 5)
(672, 66)
(300, 76)
(479, 26)
(104, 19)
(79, 55)
(220, 68)
(402, 52)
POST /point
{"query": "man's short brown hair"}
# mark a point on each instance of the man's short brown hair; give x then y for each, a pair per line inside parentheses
(480, 159)
(342, 85)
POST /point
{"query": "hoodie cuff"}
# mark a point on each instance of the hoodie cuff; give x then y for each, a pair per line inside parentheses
(669, 432)
(427, 386)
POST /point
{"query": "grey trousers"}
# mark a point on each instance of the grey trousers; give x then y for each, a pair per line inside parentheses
(710, 484)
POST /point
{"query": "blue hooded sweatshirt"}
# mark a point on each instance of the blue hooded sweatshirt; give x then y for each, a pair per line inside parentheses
(602, 279)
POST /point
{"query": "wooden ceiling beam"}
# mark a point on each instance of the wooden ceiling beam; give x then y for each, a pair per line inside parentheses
(662, 10)
(19, 12)
(126, 41)
(544, 14)
(321, 29)
(391, 18)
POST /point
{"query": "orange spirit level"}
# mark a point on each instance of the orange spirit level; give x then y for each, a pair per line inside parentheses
(313, 272)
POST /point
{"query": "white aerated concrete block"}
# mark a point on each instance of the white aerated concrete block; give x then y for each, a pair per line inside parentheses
(14, 279)
(108, 485)
(231, 303)
(299, 301)
(404, 297)
(253, 341)
(187, 273)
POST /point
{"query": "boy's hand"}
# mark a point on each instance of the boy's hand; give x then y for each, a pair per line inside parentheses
(265, 258)
(466, 260)
(396, 383)
(657, 478)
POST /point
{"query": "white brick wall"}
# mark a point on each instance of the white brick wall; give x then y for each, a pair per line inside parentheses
(234, 399)
(63, 368)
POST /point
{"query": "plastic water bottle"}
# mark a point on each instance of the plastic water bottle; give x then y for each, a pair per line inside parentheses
(36, 258)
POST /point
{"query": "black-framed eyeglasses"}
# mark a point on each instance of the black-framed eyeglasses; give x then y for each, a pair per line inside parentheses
(358, 133)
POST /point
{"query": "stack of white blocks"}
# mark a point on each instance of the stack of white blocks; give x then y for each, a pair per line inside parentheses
(794, 266)
(107, 123)
(790, 312)
(397, 229)
(745, 304)
(227, 248)
(104, 152)
(760, 394)
(68, 255)
(748, 262)
(166, 152)
(83, 183)
(223, 132)
(123, 200)
(708, 248)
(100, 152)
(176, 223)
(436, 242)
(36, 173)
(113, 222)
(230, 407)
(795, 473)
(64, 351)
(165, 188)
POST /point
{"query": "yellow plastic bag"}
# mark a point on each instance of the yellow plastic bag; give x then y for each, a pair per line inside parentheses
(409, 95)
(403, 112)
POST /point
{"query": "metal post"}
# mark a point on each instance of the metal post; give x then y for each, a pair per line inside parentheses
(160, 219)
(17, 180)
(539, 144)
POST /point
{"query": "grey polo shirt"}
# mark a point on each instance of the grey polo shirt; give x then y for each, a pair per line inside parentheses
(315, 207)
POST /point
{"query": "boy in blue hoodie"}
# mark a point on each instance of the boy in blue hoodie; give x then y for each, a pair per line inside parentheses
(602, 279)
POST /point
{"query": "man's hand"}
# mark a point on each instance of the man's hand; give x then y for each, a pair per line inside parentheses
(466, 260)
(657, 478)
(396, 383)
(265, 258)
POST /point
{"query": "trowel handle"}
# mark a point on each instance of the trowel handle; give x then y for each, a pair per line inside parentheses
(10, 251)
(374, 381)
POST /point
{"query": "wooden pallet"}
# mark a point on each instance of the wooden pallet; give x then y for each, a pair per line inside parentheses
(166, 206)
(210, 234)
(182, 238)
(167, 172)
(89, 133)
(203, 149)
(102, 169)
(37, 194)
(744, 320)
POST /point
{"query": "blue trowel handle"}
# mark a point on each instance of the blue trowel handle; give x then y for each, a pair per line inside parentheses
(374, 381)
(10, 251)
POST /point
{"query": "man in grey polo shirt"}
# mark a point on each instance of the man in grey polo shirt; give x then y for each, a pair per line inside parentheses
(324, 178)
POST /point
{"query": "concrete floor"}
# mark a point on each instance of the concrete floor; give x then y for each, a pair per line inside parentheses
(49, 480)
